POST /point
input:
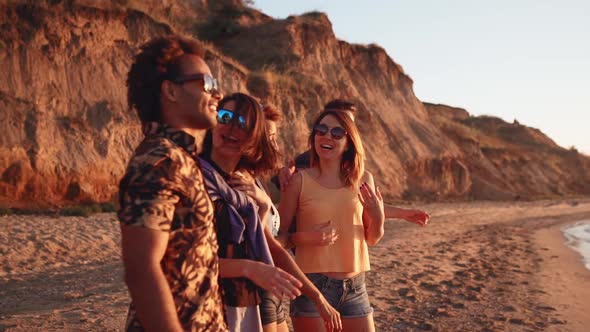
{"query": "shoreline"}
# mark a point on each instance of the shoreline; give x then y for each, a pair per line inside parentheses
(565, 277)
(581, 247)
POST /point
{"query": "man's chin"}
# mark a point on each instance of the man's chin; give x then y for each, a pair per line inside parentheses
(212, 122)
(204, 123)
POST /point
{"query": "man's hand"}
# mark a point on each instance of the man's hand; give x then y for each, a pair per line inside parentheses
(285, 175)
(417, 216)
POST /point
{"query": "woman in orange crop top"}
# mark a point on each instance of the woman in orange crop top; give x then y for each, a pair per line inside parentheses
(335, 194)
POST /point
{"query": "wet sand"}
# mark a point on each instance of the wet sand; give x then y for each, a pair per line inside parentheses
(483, 266)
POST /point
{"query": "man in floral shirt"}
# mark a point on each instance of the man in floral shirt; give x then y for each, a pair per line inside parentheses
(168, 234)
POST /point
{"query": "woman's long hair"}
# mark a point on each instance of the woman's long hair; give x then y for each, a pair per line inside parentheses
(259, 157)
(352, 165)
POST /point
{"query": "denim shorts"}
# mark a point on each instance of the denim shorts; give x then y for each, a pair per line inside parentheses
(348, 296)
(272, 309)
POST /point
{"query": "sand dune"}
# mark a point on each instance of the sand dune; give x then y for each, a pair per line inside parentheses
(476, 267)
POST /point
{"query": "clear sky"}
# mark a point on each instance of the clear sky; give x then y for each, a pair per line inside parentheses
(521, 59)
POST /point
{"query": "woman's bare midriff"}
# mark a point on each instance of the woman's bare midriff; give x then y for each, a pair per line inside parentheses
(340, 275)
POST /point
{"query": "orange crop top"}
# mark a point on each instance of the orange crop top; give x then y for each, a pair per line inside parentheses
(318, 205)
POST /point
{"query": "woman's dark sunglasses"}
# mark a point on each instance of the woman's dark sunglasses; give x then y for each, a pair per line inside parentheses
(226, 117)
(209, 83)
(336, 132)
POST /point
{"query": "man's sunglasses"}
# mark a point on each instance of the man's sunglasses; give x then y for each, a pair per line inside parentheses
(336, 132)
(226, 117)
(209, 83)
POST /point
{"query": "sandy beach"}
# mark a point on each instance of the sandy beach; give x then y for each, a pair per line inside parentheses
(483, 266)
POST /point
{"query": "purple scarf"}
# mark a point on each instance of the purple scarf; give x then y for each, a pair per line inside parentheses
(243, 213)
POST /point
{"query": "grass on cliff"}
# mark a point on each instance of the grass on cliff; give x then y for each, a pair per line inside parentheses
(5, 211)
(464, 130)
(265, 81)
(82, 210)
(86, 210)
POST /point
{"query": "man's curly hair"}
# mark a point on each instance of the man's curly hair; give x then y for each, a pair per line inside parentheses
(158, 60)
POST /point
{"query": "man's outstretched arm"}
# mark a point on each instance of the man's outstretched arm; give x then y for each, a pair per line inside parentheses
(416, 216)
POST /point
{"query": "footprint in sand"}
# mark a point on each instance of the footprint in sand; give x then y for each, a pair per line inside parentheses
(500, 318)
(474, 288)
(479, 277)
(557, 321)
(423, 326)
(458, 305)
(541, 325)
(508, 308)
(451, 284)
(439, 312)
(545, 308)
(401, 326)
(516, 321)
(418, 276)
(394, 264)
(404, 291)
(473, 297)
(429, 286)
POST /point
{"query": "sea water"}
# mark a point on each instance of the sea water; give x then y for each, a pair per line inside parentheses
(578, 238)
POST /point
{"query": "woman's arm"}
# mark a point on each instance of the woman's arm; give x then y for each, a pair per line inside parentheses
(288, 207)
(373, 213)
(283, 260)
(322, 235)
(265, 276)
(273, 279)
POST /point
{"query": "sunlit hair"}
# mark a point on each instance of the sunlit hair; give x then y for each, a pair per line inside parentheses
(352, 165)
(259, 157)
(158, 59)
(271, 113)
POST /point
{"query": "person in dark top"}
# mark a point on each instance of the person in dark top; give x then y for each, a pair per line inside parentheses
(238, 146)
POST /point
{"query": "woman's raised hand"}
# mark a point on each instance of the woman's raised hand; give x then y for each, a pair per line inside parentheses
(372, 201)
(246, 184)
(285, 175)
